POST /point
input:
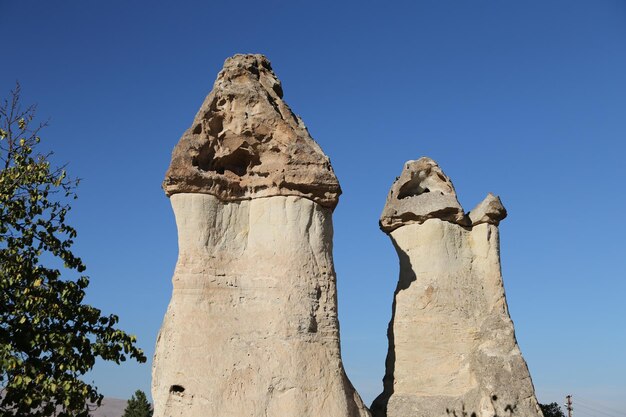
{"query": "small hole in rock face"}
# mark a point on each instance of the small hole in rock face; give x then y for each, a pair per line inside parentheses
(494, 397)
(216, 124)
(404, 193)
(278, 90)
(177, 388)
(253, 69)
(265, 64)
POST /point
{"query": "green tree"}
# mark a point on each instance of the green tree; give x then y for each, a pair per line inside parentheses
(138, 406)
(49, 338)
(551, 410)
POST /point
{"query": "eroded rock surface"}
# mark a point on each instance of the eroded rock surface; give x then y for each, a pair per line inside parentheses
(245, 142)
(251, 329)
(452, 347)
(421, 192)
(490, 210)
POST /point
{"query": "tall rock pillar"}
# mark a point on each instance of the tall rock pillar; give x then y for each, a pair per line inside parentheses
(251, 329)
(452, 348)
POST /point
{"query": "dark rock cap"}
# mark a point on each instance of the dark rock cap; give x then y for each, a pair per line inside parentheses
(423, 191)
(245, 142)
(490, 210)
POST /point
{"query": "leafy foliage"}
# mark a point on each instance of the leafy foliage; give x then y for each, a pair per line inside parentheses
(551, 410)
(138, 406)
(48, 336)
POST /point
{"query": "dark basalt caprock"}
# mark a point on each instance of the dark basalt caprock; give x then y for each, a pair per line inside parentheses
(490, 210)
(452, 348)
(421, 192)
(245, 142)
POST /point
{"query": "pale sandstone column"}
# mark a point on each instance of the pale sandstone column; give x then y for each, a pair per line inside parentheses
(251, 329)
(452, 346)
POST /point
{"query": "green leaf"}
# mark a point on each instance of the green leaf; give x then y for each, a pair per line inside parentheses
(49, 337)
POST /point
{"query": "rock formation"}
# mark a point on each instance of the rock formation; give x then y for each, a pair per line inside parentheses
(246, 143)
(251, 329)
(452, 346)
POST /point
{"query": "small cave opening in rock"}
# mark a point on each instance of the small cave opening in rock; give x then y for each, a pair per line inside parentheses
(238, 162)
(410, 190)
(216, 124)
(177, 389)
(414, 186)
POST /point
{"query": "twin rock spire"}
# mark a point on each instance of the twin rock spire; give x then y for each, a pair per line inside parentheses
(252, 329)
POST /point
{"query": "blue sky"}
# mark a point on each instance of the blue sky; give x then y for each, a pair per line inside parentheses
(523, 99)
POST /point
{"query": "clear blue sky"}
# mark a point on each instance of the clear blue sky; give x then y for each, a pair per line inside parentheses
(523, 99)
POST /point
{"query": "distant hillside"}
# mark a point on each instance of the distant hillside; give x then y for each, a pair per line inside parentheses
(111, 407)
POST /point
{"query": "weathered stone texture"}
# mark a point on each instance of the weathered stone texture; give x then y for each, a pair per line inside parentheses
(251, 329)
(452, 345)
(421, 192)
(490, 210)
(245, 142)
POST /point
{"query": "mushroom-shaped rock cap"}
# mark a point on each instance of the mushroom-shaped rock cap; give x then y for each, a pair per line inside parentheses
(420, 193)
(490, 210)
(245, 142)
